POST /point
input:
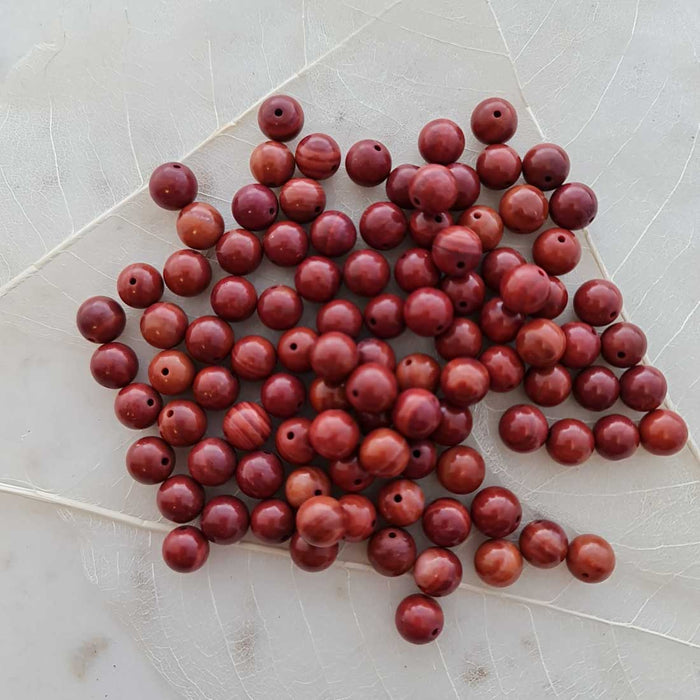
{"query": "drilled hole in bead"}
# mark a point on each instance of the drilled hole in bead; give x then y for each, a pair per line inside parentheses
(438, 219)
(398, 498)
(517, 520)
(165, 371)
(584, 575)
(561, 239)
(278, 112)
(373, 321)
(460, 264)
(612, 314)
(392, 535)
(177, 166)
(132, 280)
(355, 393)
(416, 201)
(300, 404)
(164, 461)
(462, 304)
(373, 523)
(290, 435)
(318, 492)
(497, 114)
(477, 215)
(547, 178)
(416, 454)
(150, 402)
(271, 210)
(439, 328)
(377, 147)
(408, 362)
(170, 414)
(335, 167)
(620, 354)
(357, 482)
(435, 631)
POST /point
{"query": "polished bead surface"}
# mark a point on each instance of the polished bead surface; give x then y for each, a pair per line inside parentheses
(419, 619)
(582, 345)
(524, 288)
(540, 343)
(317, 156)
(523, 209)
(317, 279)
(464, 381)
(384, 316)
(497, 263)
(557, 251)
(371, 387)
(368, 163)
(663, 432)
(446, 522)
(239, 252)
(139, 285)
(172, 186)
(187, 273)
(397, 185)
(333, 233)
(543, 544)
(285, 243)
(334, 356)
(570, 442)
(455, 425)
(320, 521)
(253, 358)
(437, 571)
(557, 299)
(199, 225)
(272, 521)
(280, 307)
(498, 167)
(215, 388)
(461, 469)
(211, 462)
(623, 344)
(441, 141)
(375, 350)
(366, 273)
(391, 551)
(233, 298)
(310, 558)
(456, 251)
(339, 316)
(225, 520)
(523, 428)
(422, 459)
(428, 311)
(494, 120)
(150, 460)
(271, 163)
(185, 549)
(259, 474)
(163, 325)
(334, 434)
(292, 440)
(324, 396)
(499, 324)
(643, 388)
(547, 386)
(171, 372)
(383, 225)
(304, 483)
(590, 558)
(283, 395)
(466, 293)
(137, 406)
(294, 349)
(596, 388)
(114, 365)
(254, 207)
(418, 371)
(302, 199)
(348, 475)
(180, 499)
(401, 502)
(496, 511)
(573, 206)
(468, 185)
(498, 563)
(360, 517)
(463, 338)
(280, 117)
(414, 269)
(546, 166)
(247, 426)
(209, 339)
(416, 413)
(384, 453)
(433, 189)
(182, 423)
(506, 369)
(100, 319)
(616, 437)
(486, 223)
(424, 227)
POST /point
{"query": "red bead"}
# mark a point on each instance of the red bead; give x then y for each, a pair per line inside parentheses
(414, 269)
(590, 558)
(225, 520)
(259, 474)
(371, 421)
(663, 432)
(211, 462)
(172, 186)
(182, 423)
(302, 199)
(582, 345)
(272, 521)
(422, 459)
(523, 209)
(317, 156)
(548, 386)
(137, 406)
(467, 293)
(573, 206)
(247, 426)
(598, 302)
(523, 428)
(570, 442)
(334, 434)
(456, 251)
(416, 413)
(187, 273)
(139, 285)
(596, 388)
(418, 371)
(455, 425)
(494, 120)
(424, 227)
(286, 243)
(525, 288)
(446, 522)
(497, 263)
(544, 544)
(310, 558)
(150, 460)
(401, 502)
(199, 225)
(280, 117)
(496, 511)
(317, 279)
(643, 388)
(360, 517)
(557, 299)
(283, 395)
(239, 252)
(486, 223)
(233, 298)
(254, 207)
(253, 358)
(462, 339)
(468, 185)
(292, 441)
(333, 234)
(428, 311)
(464, 381)
(209, 339)
(546, 166)
(294, 349)
(419, 619)
(433, 189)
(540, 343)
(498, 167)
(323, 396)
(366, 272)
(375, 350)
(441, 141)
(305, 483)
(368, 163)
(506, 369)
(461, 469)
(334, 356)
(100, 319)
(215, 388)
(437, 571)
(616, 437)
(280, 307)
(384, 453)
(397, 185)
(383, 225)
(371, 387)
(180, 499)
(114, 365)
(498, 323)
(391, 551)
(498, 563)
(557, 251)
(384, 316)
(163, 325)
(271, 163)
(171, 372)
(321, 521)
(348, 475)
(623, 344)
(185, 549)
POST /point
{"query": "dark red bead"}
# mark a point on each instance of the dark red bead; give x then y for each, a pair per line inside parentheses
(139, 285)
(163, 325)
(233, 298)
(310, 558)
(419, 619)
(643, 388)
(114, 365)
(464, 381)
(494, 120)
(557, 251)
(499, 324)
(441, 141)
(286, 243)
(524, 288)
(375, 350)
(321, 521)
(366, 272)
(461, 469)
(424, 227)
(368, 163)
(280, 117)
(506, 369)
(546, 166)
(215, 388)
(150, 460)
(317, 279)
(498, 167)
(187, 273)
(247, 426)
(391, 551)
(598, 302)
(272, 521)
(239, 252)
(422, 459)
(497, 263)
(280, 307)
(384, 316)
(570, 442)
(623, 344)
(271, 163)
(418, 371)
(304, 483)
(323, 396)
(428, 311)
(498, 563)
(225, 520)
(548, 386)
(383, 225)
(182, 423)
(416, 413)
(590, 558)
(468, 185)
(172, 186)
(540, 343)
(486, 223)
(211, 462)
(199, 225)
(523, 428)
(292, 441)
(455, 425)
(137, 406)
(254, 207)
(557, 300)
(384, 453)
(462, 339)
(360, 517)
(401, 502)
(334, 356)
(397, 185)
(414, 269)
(437, 571)
(171, 372)
(544, 544)
(496, 511)
(446, 522)
(253, 358)
(467, 293)
(283, 395)
(333, 234)
(371, 421)
(573, 206)
(582, 345)
(209, 339)
(185, 549)
(371, 387)
(663, 432)
(596, 388)
(348, 475)
(259, 474)
(616, 437)
(456, 251)
(180, 499)
(100, 319)
(302, 199)
(334, 434)
(433, 189)
(523, 209)
(294, 349)
(317, 156)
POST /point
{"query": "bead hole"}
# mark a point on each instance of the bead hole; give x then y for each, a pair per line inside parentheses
(612, 314)
(150, 402)
(317, 210)
(416, 454)
(293, 346)
(290, 435)
(318, 492)
(271, 210)
(477, 215)
(165, 371)
(392, 535)
(497, 114)
(373, 523)
(435, 631)
(176, 166)
(398, 498)
(462, 304)
(170, 414)
(561, 239)
(416, 201)
(357, 482)
(377, 147)
(278, 112)
(408, 362)
(439, 328)
(460, 264)
(373, 321)
(355, 392)
(620, 354)
(164, 461)
(547, 178)
(438, 219)
(132, 280)
(584, 575)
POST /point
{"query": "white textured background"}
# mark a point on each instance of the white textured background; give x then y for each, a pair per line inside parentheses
(92, 97)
